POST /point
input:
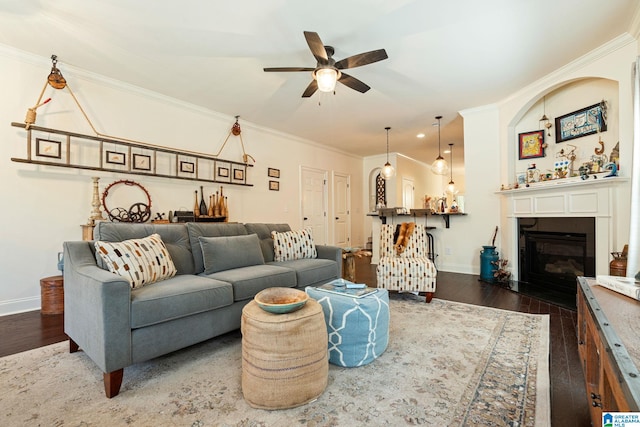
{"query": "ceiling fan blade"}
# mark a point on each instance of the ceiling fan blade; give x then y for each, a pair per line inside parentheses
(311, 89)
(362, 59)
(317, 47)
(286, 69)
(353, 83)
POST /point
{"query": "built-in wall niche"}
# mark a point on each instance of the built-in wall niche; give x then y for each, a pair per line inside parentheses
(566, 99)
(54, 147)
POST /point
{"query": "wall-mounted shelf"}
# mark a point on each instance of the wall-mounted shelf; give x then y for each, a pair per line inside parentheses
(415, 213)
(445, 217)
(54, 147)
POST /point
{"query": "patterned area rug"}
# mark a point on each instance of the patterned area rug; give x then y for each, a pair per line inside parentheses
(447, 364)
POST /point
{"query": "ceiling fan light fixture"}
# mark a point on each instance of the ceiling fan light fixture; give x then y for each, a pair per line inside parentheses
(388, 171)
(439, 166)
(326, 78)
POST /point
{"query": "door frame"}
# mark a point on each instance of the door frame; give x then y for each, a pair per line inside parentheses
(325, 197)
(333, 206)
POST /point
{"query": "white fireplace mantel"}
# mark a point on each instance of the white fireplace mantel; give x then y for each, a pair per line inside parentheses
(571, 197)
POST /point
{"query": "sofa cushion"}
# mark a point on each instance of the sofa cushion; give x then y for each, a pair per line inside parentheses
(174, 236)
(209, 229)
(291, 245)
(311, 271)
(227, 252)
(140, 261)
(248, 281)
(177, 297)
(264, 234)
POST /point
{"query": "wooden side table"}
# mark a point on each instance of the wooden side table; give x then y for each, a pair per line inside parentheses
(52, 295)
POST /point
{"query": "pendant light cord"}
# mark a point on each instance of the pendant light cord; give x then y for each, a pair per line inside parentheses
(439, 152)
(387, 129)
(451, 161)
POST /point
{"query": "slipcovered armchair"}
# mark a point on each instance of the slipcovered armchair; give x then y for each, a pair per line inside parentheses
(405, 266)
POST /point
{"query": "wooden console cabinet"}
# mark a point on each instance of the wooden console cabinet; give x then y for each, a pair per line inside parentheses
(609, 348)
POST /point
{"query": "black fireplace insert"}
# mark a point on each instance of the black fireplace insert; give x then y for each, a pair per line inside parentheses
(553, 252)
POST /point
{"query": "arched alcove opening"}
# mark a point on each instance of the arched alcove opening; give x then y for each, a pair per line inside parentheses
(557, 104)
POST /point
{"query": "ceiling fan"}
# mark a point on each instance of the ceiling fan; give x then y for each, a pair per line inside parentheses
(328, 71)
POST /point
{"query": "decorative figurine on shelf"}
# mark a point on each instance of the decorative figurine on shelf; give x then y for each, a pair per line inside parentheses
(569, 156)
(441, 205)
(611, 167)
(533, 174)
(615, 154)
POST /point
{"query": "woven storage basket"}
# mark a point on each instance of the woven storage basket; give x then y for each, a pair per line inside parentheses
(52, 295)
(284, 356)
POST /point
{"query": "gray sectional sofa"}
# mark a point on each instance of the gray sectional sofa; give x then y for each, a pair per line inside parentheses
(117, 326)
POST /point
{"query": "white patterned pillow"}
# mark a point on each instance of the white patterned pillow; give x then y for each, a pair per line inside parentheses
(291, 245)
(140, 261)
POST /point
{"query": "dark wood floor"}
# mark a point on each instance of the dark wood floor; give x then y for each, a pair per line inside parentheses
(569, 406)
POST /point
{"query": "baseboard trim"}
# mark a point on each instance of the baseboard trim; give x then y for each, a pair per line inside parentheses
(21, 305)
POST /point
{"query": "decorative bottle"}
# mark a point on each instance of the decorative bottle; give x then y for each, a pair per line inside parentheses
(196, 208)
(203, 205)
(216, 205)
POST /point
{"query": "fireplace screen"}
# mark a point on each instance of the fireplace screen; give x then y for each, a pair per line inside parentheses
(555, 258)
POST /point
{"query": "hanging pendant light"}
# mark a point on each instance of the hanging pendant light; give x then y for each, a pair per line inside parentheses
(451, 187)
(388, 171)
(439, 166)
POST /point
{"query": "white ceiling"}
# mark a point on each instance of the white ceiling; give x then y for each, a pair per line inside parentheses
(444, 56)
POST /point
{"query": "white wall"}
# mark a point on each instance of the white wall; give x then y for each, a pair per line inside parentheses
(45, 206)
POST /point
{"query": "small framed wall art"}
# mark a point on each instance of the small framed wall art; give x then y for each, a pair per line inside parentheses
(48, 148)
(273, 173)
(141, 162)
(223, 172)
(238, 175)
(116, 158)
(187, 167)
(531, 144)
(274, 185)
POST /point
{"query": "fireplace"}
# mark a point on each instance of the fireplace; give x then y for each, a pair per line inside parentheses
(552, 253)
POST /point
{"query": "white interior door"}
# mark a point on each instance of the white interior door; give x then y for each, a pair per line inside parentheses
(314, 203)
(407, 193)
(341, 210)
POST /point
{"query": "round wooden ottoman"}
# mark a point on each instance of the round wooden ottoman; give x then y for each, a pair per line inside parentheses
(284, 356)
(358, 328)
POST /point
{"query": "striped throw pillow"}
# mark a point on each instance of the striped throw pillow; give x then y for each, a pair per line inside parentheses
(140, 261)
(291, 245)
